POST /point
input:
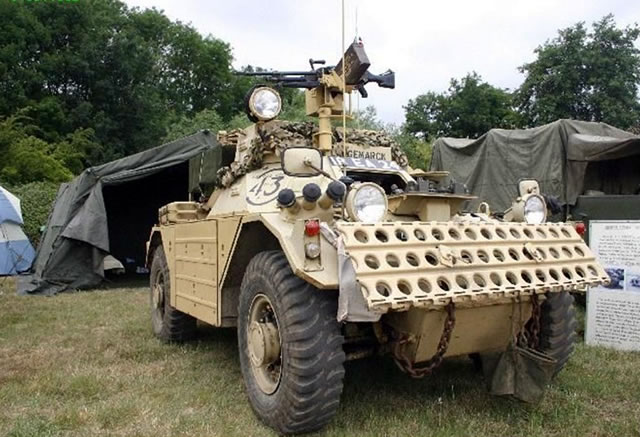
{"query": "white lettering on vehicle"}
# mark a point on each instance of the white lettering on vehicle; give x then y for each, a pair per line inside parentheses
(363, 162)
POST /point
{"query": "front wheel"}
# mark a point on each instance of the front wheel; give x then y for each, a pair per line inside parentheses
(290, 347)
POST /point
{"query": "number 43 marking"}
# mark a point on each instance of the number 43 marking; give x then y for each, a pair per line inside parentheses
(266, 188)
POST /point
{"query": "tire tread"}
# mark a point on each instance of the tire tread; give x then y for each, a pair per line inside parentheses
(558, 328)
(310, 395)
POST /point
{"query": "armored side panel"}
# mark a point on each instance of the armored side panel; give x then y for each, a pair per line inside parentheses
(195, 270)
(190, 245)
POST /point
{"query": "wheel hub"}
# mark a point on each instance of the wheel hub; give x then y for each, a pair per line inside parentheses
(264, 343)
(157, 295)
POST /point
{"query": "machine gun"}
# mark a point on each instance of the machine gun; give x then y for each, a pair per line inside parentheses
(356, 74)
(325, 86)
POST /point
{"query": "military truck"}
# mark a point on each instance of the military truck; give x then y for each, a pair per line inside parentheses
(321, 245)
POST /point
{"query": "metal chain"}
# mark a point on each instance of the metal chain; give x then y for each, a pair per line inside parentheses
(405, 364)
(533, 328)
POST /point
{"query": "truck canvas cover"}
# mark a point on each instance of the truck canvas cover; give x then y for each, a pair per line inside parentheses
(556, 154)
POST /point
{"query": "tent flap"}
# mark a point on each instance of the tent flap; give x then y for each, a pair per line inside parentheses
(76, 238)
(90, 223)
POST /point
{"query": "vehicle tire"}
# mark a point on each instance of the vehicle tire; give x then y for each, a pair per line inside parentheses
(290, 346)
(169, 324)
(558, 327)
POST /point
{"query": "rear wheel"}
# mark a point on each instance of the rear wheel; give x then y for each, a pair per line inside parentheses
(290, 347)
(168, 323)
(558, 328)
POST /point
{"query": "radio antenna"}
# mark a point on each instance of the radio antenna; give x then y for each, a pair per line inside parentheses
(356, 23)
(357, 37)
(344, 87)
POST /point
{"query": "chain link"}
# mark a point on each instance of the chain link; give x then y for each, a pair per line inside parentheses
(533, 327)
(405, 364)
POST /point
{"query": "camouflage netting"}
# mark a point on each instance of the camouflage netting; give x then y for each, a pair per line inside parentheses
(278, 135)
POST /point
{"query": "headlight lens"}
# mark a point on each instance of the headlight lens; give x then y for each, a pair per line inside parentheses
(535, 210)
(265, 103)
(368, 204)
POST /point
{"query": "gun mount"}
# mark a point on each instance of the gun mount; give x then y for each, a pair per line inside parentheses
(325, 87)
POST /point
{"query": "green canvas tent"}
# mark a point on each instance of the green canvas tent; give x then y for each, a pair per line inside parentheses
(109, 209)
(567, 157)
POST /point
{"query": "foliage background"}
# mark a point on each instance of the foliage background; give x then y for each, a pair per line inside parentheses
(36, 199)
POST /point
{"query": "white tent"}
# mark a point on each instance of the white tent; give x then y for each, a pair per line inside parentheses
(16, 253)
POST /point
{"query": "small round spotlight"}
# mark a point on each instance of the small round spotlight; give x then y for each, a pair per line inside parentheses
(264, 103)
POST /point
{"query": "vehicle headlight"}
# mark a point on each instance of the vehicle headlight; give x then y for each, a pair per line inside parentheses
(265, 103)
(535, 209)
(366, 203)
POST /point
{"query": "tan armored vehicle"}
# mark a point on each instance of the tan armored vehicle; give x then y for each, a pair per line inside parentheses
(322, 247)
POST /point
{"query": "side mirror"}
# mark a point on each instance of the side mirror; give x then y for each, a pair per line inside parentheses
(301, 161)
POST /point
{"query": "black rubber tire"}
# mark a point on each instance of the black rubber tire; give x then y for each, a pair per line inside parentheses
(308, 393)
(558, 328)
(169, 324)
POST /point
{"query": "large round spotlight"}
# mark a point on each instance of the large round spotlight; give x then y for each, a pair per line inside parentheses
(535, 209)
(264, 103)
(367, 203)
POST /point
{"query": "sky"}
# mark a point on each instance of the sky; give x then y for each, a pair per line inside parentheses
(426, 43)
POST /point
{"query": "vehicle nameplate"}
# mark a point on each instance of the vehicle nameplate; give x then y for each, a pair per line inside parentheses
(373, 164)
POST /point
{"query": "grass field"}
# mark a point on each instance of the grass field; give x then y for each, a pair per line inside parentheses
(86, 364)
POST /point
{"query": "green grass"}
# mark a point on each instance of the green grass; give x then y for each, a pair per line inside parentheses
(86, 364)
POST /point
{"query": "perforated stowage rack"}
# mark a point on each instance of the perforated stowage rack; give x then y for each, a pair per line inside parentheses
(400, 265)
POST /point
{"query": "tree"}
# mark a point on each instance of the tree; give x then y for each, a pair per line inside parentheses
(97, 66)
(423, 115)
(584, 75)
(417, 150)
(26, 158)
(30, 159)
(205, 119)
(36, 200)
(469, 108)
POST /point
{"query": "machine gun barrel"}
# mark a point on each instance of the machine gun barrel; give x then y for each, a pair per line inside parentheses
(288, 79)
(302, 84)
(276, 73)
